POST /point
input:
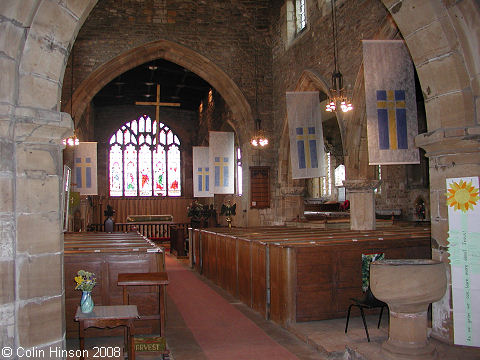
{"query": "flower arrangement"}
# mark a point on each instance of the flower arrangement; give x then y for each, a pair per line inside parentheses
(195, 210)
(85, 280)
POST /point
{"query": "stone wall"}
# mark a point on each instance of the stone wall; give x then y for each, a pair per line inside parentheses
(312, 50)
(34, 40)
(233, 35)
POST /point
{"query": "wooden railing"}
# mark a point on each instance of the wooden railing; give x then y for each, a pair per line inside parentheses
(151, 230)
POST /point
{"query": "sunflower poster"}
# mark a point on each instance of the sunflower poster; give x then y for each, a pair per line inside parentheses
(464, 248)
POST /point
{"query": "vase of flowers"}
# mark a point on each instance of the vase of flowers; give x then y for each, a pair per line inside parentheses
(85, 282)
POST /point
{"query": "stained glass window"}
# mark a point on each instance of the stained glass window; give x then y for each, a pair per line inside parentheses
(138, 167)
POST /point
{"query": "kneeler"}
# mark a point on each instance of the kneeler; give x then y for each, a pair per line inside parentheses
(368, 301)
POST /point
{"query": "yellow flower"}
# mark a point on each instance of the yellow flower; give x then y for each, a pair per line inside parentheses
(462, 196)
(79, 281)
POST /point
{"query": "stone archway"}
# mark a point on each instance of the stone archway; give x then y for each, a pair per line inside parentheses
(36, 40)
(443, 40)
(189, 59)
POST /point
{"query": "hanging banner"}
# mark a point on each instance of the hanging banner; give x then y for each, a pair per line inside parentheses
(201, 172)
(222, 162)
(464, 249)
(390, 103)
(306, 135)
(85, 168)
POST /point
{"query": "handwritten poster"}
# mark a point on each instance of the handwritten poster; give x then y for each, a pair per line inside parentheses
(464, 248)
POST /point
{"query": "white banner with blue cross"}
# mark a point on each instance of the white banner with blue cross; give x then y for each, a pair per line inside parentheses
(390, 103)
(222, 162)
(201, 172)
(306, 134)
(85, 168)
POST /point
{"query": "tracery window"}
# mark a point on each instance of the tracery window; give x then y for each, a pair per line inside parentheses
(138, 167)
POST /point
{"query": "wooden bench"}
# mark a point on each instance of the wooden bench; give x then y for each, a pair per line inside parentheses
(295, 274)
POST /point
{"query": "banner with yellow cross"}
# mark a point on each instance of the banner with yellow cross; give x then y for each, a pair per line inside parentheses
(306, 134)
(390, 103)
(222, 162)
(85, 168)
(201, 172)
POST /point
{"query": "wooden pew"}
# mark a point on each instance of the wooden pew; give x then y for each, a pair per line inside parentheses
(107, 255)
(295, 274)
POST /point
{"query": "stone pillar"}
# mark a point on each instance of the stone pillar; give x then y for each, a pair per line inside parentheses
(452, 153)
(362, 203)
(38, 244)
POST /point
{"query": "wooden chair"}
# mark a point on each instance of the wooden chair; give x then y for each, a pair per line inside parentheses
(368, 301)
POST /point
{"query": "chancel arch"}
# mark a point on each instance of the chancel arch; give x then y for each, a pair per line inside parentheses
(178, 54)
(442, 38)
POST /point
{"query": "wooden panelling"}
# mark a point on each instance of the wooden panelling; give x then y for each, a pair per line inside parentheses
(292, 274)
(244, 272)
(259, 277)
(107, 255)
(259, 187)
(144, 206)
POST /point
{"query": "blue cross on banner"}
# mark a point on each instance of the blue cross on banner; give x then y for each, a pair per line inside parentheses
(221, 171)
(307, 148)
(203, 179)
(83, 167)
(392, 119)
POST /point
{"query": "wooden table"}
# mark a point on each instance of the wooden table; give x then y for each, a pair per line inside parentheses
(159, 279)
(109, 317)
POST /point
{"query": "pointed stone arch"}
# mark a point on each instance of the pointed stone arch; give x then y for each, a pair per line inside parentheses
(183, 56)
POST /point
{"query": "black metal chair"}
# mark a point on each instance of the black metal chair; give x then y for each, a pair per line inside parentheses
(368, 301)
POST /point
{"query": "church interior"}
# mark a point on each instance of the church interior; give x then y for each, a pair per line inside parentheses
(115, 116)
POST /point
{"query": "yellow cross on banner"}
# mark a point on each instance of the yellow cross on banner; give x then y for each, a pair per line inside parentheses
(203, 173)
(305, 136)
(157, 105)
(82, 165)
(391, 104)
(220, 164)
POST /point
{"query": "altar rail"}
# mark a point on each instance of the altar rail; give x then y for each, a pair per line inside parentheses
(151, 230)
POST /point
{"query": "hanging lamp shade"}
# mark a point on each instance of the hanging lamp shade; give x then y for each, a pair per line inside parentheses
(339, 96)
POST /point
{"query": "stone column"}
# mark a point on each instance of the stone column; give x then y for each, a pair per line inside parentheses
(452, 153)
(38, 253)
(362, 203)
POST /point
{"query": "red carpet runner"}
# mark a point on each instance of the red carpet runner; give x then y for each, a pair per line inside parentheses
(222, 331)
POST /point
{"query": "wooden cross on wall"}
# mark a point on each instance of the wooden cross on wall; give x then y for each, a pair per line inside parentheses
(157, 105)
